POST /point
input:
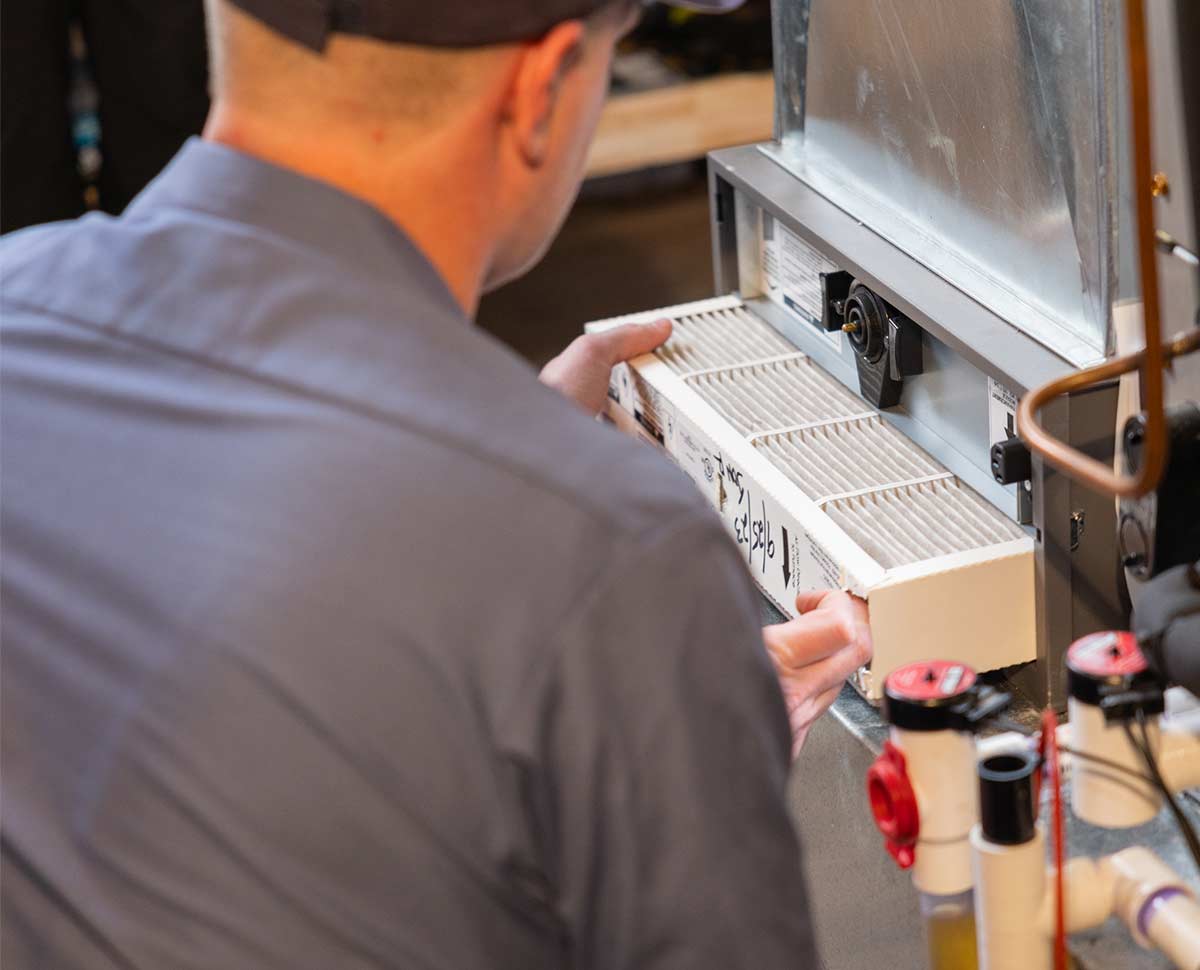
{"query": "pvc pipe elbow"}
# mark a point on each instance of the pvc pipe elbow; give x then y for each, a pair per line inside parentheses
(1159, 909)
(1090, 887)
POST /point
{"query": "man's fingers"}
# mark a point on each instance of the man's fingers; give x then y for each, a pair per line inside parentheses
(808, 710)
(810, 638)
(814, 687)
(834, 671)
(823, 675)
(582, 371)
(825, 701)
(809, 599)
(631, 340)
(805, 714)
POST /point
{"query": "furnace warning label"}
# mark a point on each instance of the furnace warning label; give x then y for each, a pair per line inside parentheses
(791, 273)
(1002, 413)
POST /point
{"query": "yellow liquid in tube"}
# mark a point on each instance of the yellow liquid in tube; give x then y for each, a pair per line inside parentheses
(950, 932)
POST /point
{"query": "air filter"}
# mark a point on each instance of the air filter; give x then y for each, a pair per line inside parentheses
(820, 490)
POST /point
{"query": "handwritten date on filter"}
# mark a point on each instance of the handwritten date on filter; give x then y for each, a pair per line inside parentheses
(751, 527)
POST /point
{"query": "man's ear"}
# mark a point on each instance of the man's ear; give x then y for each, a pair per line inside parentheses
(534, 95)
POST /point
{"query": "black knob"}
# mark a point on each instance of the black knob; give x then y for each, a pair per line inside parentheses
(1134, 436)
(1011, 461)
(865, 323)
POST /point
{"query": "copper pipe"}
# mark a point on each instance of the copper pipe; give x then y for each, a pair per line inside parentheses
(1149, 361)
(1094, 474)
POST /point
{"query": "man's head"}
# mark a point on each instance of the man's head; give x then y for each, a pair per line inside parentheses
(477, 151)
(475, 147)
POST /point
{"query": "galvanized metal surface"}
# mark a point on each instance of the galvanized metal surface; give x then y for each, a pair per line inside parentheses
(980, 335)
(980, 140)
(1176, 212)
(945, 409)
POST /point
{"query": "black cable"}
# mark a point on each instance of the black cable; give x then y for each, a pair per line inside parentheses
(1186, 829)
(1110, 765)
(1075, 753)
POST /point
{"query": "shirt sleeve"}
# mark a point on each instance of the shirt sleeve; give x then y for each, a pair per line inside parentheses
(662, 752)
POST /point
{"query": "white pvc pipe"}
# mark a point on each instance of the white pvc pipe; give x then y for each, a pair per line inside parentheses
(1007, 742)
(1100, 795)
(1010, 886)
(1173, 926)
(1089, 887)
(1180, 701)
(1156, 905)
(941, 769)
(1179, 754)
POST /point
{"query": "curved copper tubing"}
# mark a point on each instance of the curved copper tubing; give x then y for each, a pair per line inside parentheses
(1096, 475)
(1150, 361)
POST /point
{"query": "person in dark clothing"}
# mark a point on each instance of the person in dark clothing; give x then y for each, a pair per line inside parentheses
(148, 62)
(332, 636)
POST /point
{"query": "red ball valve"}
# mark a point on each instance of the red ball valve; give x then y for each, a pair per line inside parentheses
(894, 804)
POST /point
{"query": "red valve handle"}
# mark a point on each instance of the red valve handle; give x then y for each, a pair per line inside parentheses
(894, 804)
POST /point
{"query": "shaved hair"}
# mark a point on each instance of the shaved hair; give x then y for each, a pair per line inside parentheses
(357, 78)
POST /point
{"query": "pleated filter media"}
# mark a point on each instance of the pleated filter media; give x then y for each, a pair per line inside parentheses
(820, 490)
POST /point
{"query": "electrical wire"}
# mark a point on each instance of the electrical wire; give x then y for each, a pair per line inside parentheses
(1075, 752)
(1153, 775)
(1144, 748)
(1104, 762)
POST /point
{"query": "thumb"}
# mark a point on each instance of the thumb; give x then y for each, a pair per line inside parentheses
(810, 599)
(632, 340)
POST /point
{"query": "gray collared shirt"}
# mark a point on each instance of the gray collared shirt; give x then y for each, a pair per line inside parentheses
(331, 638)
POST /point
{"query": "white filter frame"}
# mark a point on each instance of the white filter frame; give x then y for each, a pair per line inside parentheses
(965, 593)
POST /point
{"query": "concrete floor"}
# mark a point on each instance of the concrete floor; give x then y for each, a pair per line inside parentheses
(630, 243)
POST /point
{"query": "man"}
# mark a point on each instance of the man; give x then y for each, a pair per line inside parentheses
(331, 637)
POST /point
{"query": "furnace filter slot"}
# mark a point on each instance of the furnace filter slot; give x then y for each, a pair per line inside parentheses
(916, 522)
(820, 489)
(826, 441)
(781, 394)
(848, 456)
(720, 338)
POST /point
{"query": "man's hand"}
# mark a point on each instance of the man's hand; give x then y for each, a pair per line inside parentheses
(581, 371)
(816, 652)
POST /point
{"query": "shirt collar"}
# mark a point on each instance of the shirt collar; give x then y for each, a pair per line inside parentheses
(221, 181)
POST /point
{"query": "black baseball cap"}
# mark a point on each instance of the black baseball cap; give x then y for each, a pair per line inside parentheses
(434, 23)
